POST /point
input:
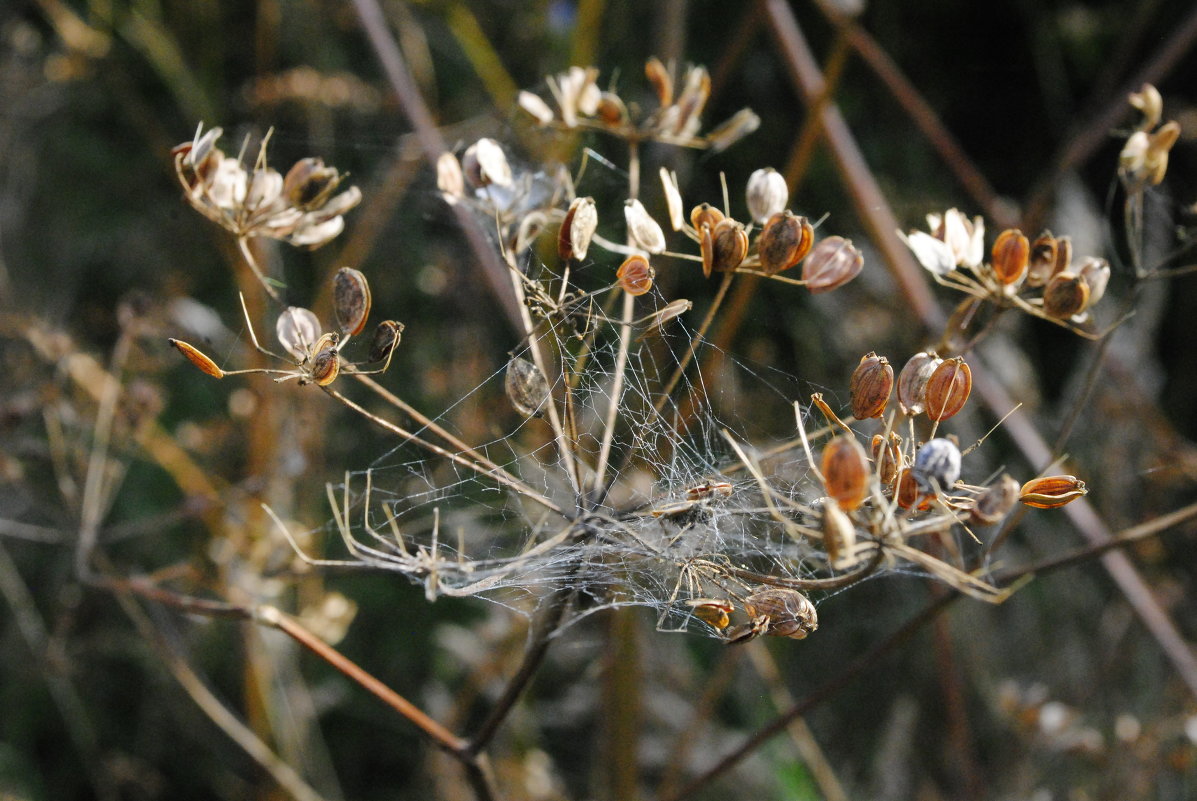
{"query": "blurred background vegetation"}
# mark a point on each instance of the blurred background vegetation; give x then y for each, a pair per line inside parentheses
(1061, 693)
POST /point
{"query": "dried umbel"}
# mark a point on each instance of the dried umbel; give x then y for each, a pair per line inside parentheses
(766, 193)
(1052, 492)
(948, 389)
(783, 242)
(1011, 256)
(846, 473)
(577, 229)
(912, 381)
(643, 230)
(526, 386)
(870, 386)
(937, 465)
(995, 502)
(351, 300)
(832, 263)
(723, 247)
(1066, 295)
(785, 612)
(635, 275)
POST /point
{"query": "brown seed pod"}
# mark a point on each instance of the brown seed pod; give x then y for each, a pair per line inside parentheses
(948, 388)
(1043, 259)
(788, 613)
(309, 183)
(888, 456)
(783, 242)
(351, 300)
(635, 275)
(326, 364)
(712, 611)
(385, 340)
(832, 263)
(1063, 255)
(723, 247)
(870, 386)
(995, 502)
(577, 229)
(705, 214)
(1011, 255)
(661, 80)
(611, 109)
(909, 494)
(197, 358)
(1065, 295)
(846, 471)
(1052, 492)
(912, 381)
(526, 386)
(839, 536)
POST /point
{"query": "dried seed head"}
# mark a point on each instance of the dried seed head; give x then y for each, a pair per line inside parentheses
(577, 229)
(484, 163)
(948, 388)
(908, 494)
(846, 471)
(1043, 259)
(870, 385)
(715, 613)
(1096, 273)
(839, 536)
(832, 263)
(912, 381)
(297, 330)
(788, 612)
(527, 388)
(1052, 492)
(705, 214)
(937, 465)
(385, 340)
(197, 358)
(309, 183)
(784, 241)
(767, 194)
(723, 247)
(995, 502)
(635, 275)
(1011, 255)
(1067, 294)
(448, 176)
(351, 300)
(646, 234)
(888, 456)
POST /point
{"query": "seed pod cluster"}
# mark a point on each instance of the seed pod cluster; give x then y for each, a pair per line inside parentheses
(870, 386)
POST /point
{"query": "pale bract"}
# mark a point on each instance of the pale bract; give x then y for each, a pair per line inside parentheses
(644, 231)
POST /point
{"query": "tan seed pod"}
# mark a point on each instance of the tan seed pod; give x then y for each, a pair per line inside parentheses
(1096, 273)
(611, 109)
(326, 364)
(577, 229)
(449, 178)
(846, 471)
(839, 536)
(1011, 255)
(1052, 492)
(948, 389)
(783, 242)
(714, 612)
(909, 495)
(870, 386)
(661, 80)
(995, 502)
(832, 263)
(732, 130)
(535, 105)
(912, 381)
(705, 214)
(484, 163)
(1043, 259)
(635, 275)
(1065, 295)
(766, 193)
(671, 311)
(197, 358)
(1063, 255)
(644, 231)
(351, 300)
(888, 456)
(725, 248)
(788, 612)
(385, 340)
(526, 386)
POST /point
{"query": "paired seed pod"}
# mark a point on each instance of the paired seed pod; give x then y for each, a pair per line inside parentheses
(948, 389)
(1052, 492)
(1011, 256)
(309, 183)
(846, 471)
(385, 340)
(723, 247)
(644, 231)
(870, 386)
(635, 275)
(1065, 295)
(888, 456)
(705, 214)
(1049, 255)
(912, 381)
(787, 613)
(783, 242)
(832, 263)
(909, 495)
(326, 364)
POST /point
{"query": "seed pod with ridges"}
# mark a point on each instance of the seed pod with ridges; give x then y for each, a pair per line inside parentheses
(995, 502)
(832, 263)
(1096, 273)
(385, 340)
(726, 247)
(948, 389)
(839, 536)
(912, 381)
(789, 612)
(577, 229)
(870, 385)
(846, 471)
(783, 242)
(351, 300)
(635, 275)
(1052, 492)
(646, 234)
(1011, 255)
(888, 456)
(767, 194)
(1065, 295)
(526, 386)
(705, 214)
(197, 358)
(1043, 259)
(937, 465)
(326, 364)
